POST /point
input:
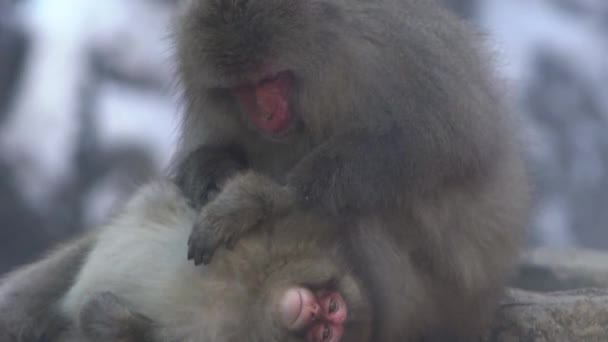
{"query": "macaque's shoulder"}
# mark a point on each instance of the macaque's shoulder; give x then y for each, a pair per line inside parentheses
(157, 204)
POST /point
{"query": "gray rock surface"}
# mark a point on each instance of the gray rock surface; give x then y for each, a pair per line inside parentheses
(572, 316)
(558, 295)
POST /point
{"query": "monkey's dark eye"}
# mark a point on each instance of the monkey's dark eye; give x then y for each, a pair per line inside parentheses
(326, 333)
(333, 306)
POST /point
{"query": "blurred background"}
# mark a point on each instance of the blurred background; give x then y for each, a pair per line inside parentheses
(88, 112)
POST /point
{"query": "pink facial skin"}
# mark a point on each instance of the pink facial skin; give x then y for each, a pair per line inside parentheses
(266, 103)
(321, 316)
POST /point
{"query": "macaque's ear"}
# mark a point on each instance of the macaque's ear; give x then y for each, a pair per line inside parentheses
(360, 310)
(107, 318)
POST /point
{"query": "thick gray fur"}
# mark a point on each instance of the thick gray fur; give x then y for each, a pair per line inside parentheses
(402, 140)
(137, 286)
(29, 296)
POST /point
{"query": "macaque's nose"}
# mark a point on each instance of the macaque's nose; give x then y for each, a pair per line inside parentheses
(315, 311)
(299, 308)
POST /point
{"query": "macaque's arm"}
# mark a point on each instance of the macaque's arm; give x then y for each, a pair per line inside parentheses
(363, 170)
(203, 172)
(106, 317)
(28, 296)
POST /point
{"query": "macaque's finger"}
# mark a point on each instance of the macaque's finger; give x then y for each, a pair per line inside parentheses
(231, 242)
(202, 245)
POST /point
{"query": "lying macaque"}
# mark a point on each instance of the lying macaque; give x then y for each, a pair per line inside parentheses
(277, 284)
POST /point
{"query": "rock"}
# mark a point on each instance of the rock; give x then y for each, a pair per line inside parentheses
(578, 315)
(570, 302)
(546, 269)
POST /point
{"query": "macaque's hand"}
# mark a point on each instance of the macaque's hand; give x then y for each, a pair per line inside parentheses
(247, 201)
(205, 171)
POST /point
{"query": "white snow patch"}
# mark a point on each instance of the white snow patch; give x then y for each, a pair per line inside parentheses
(39, 136)
(127, 116)
(519, 27)
(554, 223)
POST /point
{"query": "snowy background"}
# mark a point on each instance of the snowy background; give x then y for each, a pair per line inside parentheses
(87, 111)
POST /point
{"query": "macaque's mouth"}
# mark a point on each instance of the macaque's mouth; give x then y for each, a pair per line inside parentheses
(293, 311)
(266, 103)
(299, 311)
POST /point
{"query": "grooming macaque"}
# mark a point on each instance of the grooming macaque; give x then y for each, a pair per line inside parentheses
(276, 285)
(381, 116)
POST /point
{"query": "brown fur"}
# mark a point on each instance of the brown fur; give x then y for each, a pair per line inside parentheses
(402, 142)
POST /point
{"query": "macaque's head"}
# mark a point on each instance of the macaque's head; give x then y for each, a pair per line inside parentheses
(321, 315)
(296, 284)
(277, 66)
(327, 314)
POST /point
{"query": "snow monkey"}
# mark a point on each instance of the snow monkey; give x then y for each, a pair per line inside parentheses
(278, 284)
(380, 116)
(134, 284)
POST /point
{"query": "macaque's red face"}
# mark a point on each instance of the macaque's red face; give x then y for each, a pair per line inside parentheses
(266, 104)
(320, 315)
